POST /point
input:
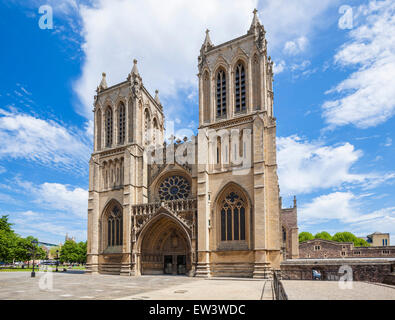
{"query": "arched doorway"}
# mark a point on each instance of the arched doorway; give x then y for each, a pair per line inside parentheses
(165, 247)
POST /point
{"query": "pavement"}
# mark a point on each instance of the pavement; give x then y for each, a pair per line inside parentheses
(79, 286)
(331, 290)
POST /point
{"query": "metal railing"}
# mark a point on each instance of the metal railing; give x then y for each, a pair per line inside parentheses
(278, 288)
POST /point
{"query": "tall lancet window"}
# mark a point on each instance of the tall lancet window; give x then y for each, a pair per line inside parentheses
(147, 127)
(240, 87)
(233, 218)
(221, 93)
(121, 124)
(108, 127)
(115, 227)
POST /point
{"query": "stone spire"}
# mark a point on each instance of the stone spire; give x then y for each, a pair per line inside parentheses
(255, 22)
(207, 44)
(103, 83)
(135, 71)
(157, 97)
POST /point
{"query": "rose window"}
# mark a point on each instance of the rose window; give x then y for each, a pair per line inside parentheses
(174, 188)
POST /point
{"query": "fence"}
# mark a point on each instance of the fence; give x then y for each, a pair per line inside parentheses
(279, 292)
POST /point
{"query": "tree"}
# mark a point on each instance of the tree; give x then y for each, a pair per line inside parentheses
(52, 251)
(69, 252)
(15, 248)
(323, 235)
(5, 247)
(349, 237)
(5, 225)
(305, 236)
(7, 240)
(81, 252)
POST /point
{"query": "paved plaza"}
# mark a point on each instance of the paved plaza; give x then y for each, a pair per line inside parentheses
(79, 286)
(330, 290)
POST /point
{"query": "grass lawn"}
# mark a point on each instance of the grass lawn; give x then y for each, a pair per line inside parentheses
(60, 268)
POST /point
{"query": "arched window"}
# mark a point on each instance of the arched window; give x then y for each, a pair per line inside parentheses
(98, 129)
(233, 218)
(155, 132)
(121, 124)
(240, 87)
(221, 93)
(206, 97)
(146, 126)
(115, 227)
(108, 127)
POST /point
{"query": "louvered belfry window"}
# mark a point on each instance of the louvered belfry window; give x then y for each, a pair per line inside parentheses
(240, 88)
(108, 127)
(121, 124)
(221, 93)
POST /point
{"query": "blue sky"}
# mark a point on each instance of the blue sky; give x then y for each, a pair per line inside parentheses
(334, 100)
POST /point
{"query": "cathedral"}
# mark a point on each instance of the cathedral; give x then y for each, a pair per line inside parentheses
(206, 205)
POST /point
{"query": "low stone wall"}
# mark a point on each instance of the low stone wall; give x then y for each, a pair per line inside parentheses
(372, 270)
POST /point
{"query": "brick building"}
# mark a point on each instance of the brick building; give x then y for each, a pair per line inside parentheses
(322, 249)
(290, 231)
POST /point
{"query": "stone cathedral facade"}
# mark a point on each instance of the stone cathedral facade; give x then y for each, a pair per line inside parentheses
(207, 205)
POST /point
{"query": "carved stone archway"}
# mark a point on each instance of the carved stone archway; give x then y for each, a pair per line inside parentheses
(164, 246)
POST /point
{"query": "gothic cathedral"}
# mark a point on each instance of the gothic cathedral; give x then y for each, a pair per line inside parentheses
(203, 206)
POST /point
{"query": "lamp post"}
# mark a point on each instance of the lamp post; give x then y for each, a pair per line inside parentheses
(34, 242)
(57, 260)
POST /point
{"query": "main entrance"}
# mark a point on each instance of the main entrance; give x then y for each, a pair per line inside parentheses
(165, 248)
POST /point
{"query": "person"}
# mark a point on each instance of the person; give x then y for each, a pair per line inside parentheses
(316, 275)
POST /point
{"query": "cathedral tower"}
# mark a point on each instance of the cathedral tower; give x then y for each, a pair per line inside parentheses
(238, 194)
(127, 119)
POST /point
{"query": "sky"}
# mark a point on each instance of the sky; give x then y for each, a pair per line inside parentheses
(334, 100)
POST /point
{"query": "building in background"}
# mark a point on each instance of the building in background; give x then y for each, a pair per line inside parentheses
(378, 239)
(325, 249)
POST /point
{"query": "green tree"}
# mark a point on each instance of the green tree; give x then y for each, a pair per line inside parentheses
(5, 246)
(323, 235)
(7, 240)
(53, 250)
(15, 248)
(5, 225)
(81, 252)
(305, 236)
(69, 252)
(349, 237)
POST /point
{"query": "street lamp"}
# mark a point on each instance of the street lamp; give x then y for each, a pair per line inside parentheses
(57, 260)
(34, 242)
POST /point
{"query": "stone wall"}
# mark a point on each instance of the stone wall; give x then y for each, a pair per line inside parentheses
(372, 270)
(321, 249)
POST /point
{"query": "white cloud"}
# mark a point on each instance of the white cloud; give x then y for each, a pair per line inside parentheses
(43, 141)
(346, 208)
(305, 167)
(164, 36)
(367, 95)
(297, 46)
(279, 67)
(286, 20)
(300, 66)
(63, 198)
(388, 143)
(337, 205)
